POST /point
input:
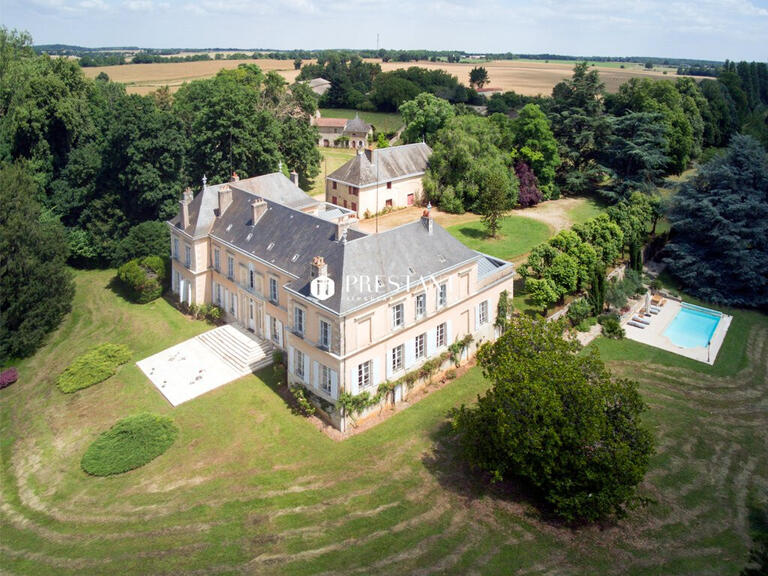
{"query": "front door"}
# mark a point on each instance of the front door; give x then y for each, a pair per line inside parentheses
(251, 315)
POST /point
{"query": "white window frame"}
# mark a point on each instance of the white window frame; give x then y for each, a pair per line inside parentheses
(325, 335)
(274, 295)
(397, 357)
(251, 277)
(217, 259)
(299, 320)
(273, 330)
(421, 305)
(420, 346)
(298, 364)
(364, 378)
(398, 316)
(230, 267)
(482, 313)
(326, 379)
(440, 333)
(442, 295)
(187, 256)
(176, 248)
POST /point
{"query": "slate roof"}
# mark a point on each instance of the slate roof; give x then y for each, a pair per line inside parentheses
(357, 124)
(393, 163)
(319, 82)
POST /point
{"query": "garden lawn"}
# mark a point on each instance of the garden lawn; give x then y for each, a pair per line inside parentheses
(517, 235)
(248, 487)
(331, 159)
(382, 121)
(586, 209)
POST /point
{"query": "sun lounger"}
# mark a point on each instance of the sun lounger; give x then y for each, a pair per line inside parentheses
(641, 320)
(654, 310)
(636, 324)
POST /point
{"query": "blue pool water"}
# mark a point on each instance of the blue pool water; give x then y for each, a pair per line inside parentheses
(693, 326)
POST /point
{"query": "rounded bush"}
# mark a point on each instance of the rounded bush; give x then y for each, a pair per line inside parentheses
(129, 444)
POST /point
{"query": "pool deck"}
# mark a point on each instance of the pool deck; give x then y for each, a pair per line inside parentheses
(653, 335)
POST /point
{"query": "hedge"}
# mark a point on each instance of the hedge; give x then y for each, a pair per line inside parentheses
(143, 278)
(131, 443)
(94, 366)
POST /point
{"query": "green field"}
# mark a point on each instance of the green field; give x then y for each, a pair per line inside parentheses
(249, 487)
(587, 209)
(331, 159)
(382, 121)
(516, 236)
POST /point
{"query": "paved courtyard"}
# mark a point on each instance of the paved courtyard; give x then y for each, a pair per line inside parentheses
(201, 364)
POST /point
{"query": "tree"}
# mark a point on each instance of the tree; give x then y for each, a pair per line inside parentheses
(497, 194)
(543, 292)
(36, 288)
(597, 290)
(557, 421)
(424, 116)
(605, 236)
(719, 247)
(536, 146)
(297, 63)
(150, 238)
(478, 77)
(529, 195)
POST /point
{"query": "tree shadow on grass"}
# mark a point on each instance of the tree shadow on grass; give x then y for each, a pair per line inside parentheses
(120, 289)
(447, 465)
(474, 233)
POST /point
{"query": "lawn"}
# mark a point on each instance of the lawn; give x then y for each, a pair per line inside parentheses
(586, 209)
(516, 236)
(332, 158)
(248, 487)
(382, 121)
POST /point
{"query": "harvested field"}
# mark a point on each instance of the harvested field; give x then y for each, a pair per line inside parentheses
(528, 77)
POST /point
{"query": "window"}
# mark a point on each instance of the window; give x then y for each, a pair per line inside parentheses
(354, 206)
(345, 202)
(251, 277)
(230, 267)
(333, 185)
(353, 190)
(187, 256)
(334, 200)
(273, 329)
(419, 341)
(388, 203)
(483, 313)
(176, 248)
(325, 378)
(233, 304)
(397, 358)
(421, 305)
(442, 295)
(325, 334)
(364, 375)
(273, 290)
(217, 293)
(298, 320)
(389, 185)
(217, 260)
(298, 364)
(397, 316)
(441, 334)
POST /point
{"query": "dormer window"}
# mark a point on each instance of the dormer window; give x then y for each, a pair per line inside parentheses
(294, 258)
(271, 245)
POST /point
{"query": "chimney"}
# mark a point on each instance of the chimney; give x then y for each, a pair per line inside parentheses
(370, 153)
(427, 220)
(186, 200)
(341, 229)
(225, 198)
(318, 268)
(295, 177)
(235, 177)
(258, 208)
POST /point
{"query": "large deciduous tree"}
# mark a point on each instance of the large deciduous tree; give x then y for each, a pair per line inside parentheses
(424, 116)
(478, 77)
(36, 288)
(557, 421)
(536, 146)
(719, 246)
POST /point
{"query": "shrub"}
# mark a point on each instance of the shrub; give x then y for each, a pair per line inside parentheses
(450, 374)
(579, 310)
(303, 405)
(214, 314)
(586, 324)
(143, 278)
(94, 366)
(277, 357)
(129, 444)
(8, 377)
(611, 326)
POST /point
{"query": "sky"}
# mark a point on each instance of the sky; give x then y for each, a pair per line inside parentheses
(704, 29)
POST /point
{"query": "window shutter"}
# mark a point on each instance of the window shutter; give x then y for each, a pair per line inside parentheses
(316, 373)
(268, 327)
(279, 330)
(389, 365)
(334, 384)
(410, 353)
(376, 371)
(431, 342)
(448, 340)
(352, 384)
(477, 317)
(306, 369)
(290, 359)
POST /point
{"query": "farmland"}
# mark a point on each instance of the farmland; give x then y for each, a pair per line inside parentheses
(250, 487)
(528, 77)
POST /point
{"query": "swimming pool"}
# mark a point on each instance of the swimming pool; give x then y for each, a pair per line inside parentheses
(693, 326)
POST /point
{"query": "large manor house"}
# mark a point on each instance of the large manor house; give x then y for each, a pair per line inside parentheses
(260, 248)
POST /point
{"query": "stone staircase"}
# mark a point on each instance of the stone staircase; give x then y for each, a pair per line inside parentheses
(239, 348)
